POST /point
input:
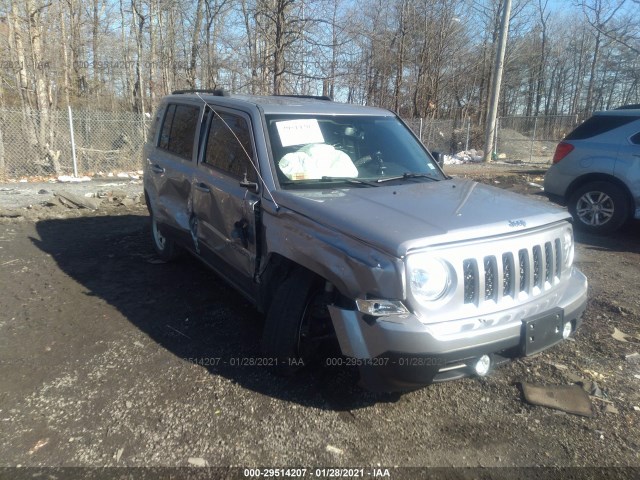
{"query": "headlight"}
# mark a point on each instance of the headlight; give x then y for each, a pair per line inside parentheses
(567, 248)
(429, 277)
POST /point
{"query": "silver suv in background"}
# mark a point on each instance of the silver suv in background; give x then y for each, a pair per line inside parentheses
(338, 224)
(596, 171)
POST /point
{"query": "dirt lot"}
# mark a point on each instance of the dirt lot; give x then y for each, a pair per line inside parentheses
(108, 358)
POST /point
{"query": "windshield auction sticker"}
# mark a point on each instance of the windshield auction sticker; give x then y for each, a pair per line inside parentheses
(299, 132)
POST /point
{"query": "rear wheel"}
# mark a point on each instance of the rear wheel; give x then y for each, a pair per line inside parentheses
(599, 207)
(298, 323)
(165, 248)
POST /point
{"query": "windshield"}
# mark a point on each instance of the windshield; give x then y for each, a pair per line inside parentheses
(311, 151)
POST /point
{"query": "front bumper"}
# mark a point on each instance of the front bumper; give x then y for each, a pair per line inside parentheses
(401, 353)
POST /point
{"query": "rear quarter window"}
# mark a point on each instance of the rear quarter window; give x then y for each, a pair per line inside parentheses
(635, 139)
(179, 129)
(599, 124)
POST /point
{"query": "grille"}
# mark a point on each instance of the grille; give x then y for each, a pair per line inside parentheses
(528, 269)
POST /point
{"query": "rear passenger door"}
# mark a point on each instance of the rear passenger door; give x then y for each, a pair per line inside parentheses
(225, 211)
(171, 167)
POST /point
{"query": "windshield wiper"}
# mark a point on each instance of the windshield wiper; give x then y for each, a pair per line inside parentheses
(356, 181)
(405, 176)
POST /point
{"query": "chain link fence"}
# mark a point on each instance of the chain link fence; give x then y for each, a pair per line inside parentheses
(33, 144)
(445, 136)
(532, 139)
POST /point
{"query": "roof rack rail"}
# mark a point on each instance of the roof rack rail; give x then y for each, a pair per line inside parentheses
(313, 97)
(218, 92)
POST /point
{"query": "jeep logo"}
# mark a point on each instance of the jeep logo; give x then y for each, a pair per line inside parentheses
(517, 223)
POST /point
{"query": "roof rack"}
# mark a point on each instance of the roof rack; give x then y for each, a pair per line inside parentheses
(216, 92)
(313, 97)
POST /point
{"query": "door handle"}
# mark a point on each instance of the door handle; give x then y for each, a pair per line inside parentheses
(202, 188)
(157, 169)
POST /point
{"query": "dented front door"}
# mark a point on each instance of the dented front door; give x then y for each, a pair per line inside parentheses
(224, 212)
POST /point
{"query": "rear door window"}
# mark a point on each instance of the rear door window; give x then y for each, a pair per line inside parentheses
(599, 124)
(178, 130)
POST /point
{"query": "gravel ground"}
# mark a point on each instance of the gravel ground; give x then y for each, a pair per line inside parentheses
(109, 357)
(36, 201)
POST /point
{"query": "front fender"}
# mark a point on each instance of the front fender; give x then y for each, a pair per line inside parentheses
(353, 267)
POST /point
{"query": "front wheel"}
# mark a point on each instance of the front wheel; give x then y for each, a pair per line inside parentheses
(298, 322)
(165, 248)
(599, 207)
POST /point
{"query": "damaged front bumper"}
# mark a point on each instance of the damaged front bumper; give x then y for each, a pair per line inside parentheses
(398, 353)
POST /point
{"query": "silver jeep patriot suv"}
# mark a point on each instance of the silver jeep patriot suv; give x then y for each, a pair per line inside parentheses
(337, 223)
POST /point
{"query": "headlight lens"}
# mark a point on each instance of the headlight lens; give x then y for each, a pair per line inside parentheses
(429, 278)
(567, 248)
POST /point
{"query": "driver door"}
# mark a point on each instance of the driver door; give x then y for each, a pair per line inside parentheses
(224, 211)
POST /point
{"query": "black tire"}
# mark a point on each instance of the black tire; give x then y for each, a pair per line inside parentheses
(165, 248)
(297, 323)
(599, 207)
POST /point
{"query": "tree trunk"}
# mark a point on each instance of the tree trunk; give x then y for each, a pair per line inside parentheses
(279, 46)
(400, 58)
(195, 40)
(97, 74)
(588, 107)
(138, 86)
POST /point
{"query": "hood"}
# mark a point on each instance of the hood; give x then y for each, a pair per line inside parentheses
(401, 217)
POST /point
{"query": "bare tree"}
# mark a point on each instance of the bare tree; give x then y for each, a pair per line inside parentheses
(35, 87)
(617, 20)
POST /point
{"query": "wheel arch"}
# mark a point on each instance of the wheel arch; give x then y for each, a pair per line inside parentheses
(600, 177)
(279, 267)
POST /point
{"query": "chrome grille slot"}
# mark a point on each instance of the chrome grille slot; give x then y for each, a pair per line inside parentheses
(537, 266)
(558, 256)
(490, 278)
(548, 262)
(470, 270)
(507, 274)
(523, 261)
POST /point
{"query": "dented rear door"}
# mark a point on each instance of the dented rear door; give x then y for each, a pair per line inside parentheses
(170, 167)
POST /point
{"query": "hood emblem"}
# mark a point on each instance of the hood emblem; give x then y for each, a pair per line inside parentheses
(517, 223)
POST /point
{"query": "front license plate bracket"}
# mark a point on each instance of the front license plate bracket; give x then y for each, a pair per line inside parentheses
(539, 333)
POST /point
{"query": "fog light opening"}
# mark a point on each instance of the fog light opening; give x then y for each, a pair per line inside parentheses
(566, 330)
(482, 365)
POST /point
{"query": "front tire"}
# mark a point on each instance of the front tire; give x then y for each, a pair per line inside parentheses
(599, 207)
(297, 323)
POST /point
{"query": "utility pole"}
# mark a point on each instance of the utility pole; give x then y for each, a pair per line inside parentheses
(497, 80)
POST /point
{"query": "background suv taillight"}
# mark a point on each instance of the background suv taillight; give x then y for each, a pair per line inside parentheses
(562, 150)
